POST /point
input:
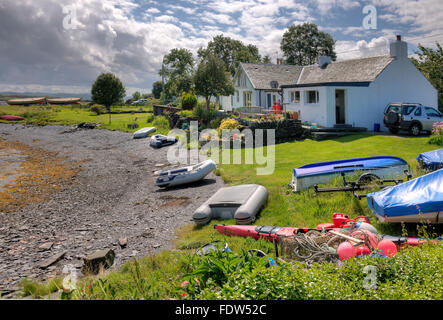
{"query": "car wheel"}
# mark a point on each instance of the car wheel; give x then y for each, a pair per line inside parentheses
(415, 129)
(393, 130)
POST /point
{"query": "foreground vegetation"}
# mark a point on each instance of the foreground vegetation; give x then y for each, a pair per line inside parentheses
(414, 273)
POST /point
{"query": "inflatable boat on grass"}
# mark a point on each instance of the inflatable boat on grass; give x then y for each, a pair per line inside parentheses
(10, 117)
(414, 201)
(432, 160)
(241, 203)
(170, 178)
(325, 172)
(159, 140)
(143, 133)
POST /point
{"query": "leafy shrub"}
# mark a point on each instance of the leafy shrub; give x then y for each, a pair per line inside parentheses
(215, 123)
(414, 273)
(150, 118)
(186, 113)
(437, 134)
(228, 124)
(37, 118)
(161, 123)
(97, 109)
(189, 101)
(203, 114)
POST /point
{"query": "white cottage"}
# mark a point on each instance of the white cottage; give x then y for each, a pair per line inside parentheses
(353, 92)
(259, 85)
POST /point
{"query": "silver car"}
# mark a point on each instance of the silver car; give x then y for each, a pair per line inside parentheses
(412, 117)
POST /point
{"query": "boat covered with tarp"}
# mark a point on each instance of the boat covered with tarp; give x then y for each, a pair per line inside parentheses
(417, 200)
(432, 160)
(325, 172)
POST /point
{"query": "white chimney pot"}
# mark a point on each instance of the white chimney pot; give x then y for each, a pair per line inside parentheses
(399, 48)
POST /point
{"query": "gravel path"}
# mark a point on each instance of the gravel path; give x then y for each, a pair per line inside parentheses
(113, 196)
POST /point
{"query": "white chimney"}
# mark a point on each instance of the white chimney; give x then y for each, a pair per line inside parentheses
(399, 48)
(323, 61)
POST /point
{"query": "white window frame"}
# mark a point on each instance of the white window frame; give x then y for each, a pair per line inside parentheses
(317, 97)
(292, 97)
(245, 95)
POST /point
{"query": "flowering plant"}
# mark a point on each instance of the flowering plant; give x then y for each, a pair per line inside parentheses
(437, 134)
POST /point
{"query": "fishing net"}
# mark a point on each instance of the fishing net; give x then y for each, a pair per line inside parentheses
(308, 247)
(317, 246)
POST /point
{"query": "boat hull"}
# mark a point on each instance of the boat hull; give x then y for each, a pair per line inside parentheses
(63, 101)
(24, 102)
(432, 160)
(185, 175)
(242, 203)
(272, 233)
(326, 172)
(143, 133)
(417, 200)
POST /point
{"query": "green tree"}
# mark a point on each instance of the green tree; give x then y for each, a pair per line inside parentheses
(211, 79)
(231, 52)
(157, 89)
(267, 60)
(136, 95)
(430, 63)
(107, 90)
(177, 70)
(302, 44)
(189, 101)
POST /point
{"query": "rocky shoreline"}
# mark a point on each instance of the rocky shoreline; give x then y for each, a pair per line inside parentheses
(111, 197)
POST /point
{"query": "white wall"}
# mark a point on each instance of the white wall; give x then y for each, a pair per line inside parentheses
(401, 81)
(364, 106)
(240, 89)
(357, 112)
(316, 113)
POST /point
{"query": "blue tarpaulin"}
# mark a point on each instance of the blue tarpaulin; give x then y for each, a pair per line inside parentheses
(431, 160)
(418, 196)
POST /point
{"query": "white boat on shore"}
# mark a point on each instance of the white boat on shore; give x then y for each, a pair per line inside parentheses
(143, 133)
(185, 175)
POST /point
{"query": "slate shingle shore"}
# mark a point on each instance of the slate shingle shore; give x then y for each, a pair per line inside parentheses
(112, 196)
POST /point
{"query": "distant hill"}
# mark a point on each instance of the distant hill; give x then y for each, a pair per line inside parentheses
(12, 95)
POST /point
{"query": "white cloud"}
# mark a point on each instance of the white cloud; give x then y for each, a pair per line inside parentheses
(111, 36)
(356, 49)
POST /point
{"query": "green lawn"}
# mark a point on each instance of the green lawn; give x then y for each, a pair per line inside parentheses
(70, 115)
(159, 276)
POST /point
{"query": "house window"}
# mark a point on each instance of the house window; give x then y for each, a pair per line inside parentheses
(237, 94)
(247, 95)
(312, 97)
(295, 96)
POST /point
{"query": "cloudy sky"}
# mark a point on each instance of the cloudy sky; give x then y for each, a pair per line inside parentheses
(62, 45)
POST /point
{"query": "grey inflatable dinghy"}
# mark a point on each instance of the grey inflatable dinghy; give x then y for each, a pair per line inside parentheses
(159, 140)
(175, 177)
(241, 203)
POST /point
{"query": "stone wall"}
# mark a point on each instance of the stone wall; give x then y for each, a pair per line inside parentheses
(287, 129)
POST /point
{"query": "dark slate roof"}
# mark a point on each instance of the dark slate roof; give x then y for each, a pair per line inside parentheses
(361, 70)
(354, 70)
(261, 75)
